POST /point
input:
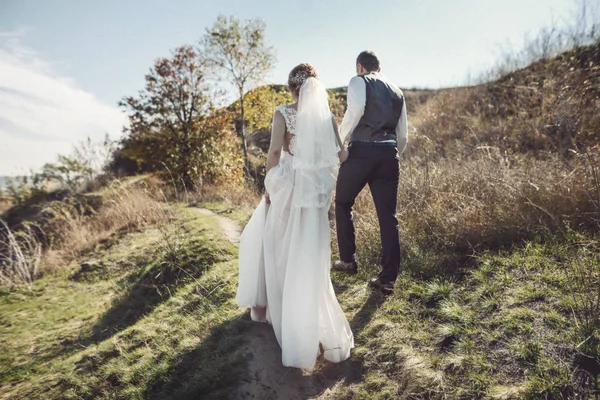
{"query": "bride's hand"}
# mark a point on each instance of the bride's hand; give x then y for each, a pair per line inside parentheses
(267, 198)
(343, 155)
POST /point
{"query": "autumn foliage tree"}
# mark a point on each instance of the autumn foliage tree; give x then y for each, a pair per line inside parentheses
(259, 105)
(174, 128)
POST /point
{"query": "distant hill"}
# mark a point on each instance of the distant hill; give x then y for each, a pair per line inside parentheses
(4, 181)
(413, 96)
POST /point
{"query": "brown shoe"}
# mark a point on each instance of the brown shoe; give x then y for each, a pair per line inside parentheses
(385, 288)
(347, 267)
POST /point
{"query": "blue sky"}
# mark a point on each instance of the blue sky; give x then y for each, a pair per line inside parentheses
(65, 64)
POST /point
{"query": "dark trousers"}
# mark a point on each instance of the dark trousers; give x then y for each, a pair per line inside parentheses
(378, 167)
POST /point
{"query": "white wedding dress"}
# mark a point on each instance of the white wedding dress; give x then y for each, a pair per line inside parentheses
(285, 249)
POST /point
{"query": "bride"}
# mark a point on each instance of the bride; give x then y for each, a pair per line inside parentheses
(285, 250)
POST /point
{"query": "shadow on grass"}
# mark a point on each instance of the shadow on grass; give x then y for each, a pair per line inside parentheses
(235, 352)
(209, 371)
(156, 279)
(151, 287)
(340, 286)
(295, 384)
(366, 312)
(242, 359)
(444, 263)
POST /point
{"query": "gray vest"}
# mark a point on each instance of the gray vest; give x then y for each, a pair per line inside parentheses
(382, 111)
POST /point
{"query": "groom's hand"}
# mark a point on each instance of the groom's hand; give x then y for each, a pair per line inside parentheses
(343, 155)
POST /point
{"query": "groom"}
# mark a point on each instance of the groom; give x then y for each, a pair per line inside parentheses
(375, 124)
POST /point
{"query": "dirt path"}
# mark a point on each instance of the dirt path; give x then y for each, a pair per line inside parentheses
(265, 377)
(230, 228)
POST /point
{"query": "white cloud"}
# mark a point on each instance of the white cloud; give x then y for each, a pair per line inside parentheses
(43, 114)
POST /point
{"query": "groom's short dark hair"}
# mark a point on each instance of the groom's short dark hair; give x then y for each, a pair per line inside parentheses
(368, 59)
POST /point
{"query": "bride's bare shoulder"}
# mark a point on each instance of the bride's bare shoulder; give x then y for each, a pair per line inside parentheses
(279, 114)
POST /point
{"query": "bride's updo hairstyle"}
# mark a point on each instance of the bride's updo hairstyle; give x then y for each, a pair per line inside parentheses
(298, 75)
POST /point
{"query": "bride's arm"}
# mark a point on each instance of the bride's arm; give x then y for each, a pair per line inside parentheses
(277, 135)
(343, 153)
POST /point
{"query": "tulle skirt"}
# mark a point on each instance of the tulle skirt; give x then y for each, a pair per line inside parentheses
(284, 263)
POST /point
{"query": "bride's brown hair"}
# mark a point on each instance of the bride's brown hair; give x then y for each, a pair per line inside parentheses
(299, 74)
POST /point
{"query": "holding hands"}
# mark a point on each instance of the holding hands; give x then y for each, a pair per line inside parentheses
(343, 154)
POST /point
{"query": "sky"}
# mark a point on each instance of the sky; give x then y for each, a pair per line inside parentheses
(64, 65)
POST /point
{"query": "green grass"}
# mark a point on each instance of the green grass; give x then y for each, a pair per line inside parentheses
(504, 328)
(149, 320)
(153, 316)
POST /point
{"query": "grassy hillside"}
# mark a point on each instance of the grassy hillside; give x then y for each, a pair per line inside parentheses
(499, 295)
(549, 107)
(149, 316)
(499, 216)
(152, 316)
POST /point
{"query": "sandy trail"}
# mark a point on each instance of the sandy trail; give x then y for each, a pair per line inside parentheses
(265, 377)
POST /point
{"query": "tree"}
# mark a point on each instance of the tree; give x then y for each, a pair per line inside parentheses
(94, 155)
(337, 103)
(239, 52)
(259, 105)
(67, 171)
(170, 120)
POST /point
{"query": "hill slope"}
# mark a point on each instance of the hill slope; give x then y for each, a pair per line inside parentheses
(138, 323)
(550, 106)
(147, 317)
(498, 296)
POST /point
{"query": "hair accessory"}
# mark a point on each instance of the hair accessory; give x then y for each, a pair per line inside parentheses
(299, 78)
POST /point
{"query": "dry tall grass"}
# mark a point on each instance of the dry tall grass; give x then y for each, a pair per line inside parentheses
(20, 261)
(491, 165)
(488, 202)
(5, 203)
(584, 282)
(550, 106)
(70, 228)
(125, 209)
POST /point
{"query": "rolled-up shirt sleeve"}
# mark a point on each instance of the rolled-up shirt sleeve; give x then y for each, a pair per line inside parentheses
(402, 130)
(356, 100)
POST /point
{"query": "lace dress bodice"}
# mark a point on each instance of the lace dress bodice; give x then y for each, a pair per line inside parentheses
(289, 115)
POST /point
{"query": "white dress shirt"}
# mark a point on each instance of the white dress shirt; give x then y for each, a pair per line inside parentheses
(357, 100)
